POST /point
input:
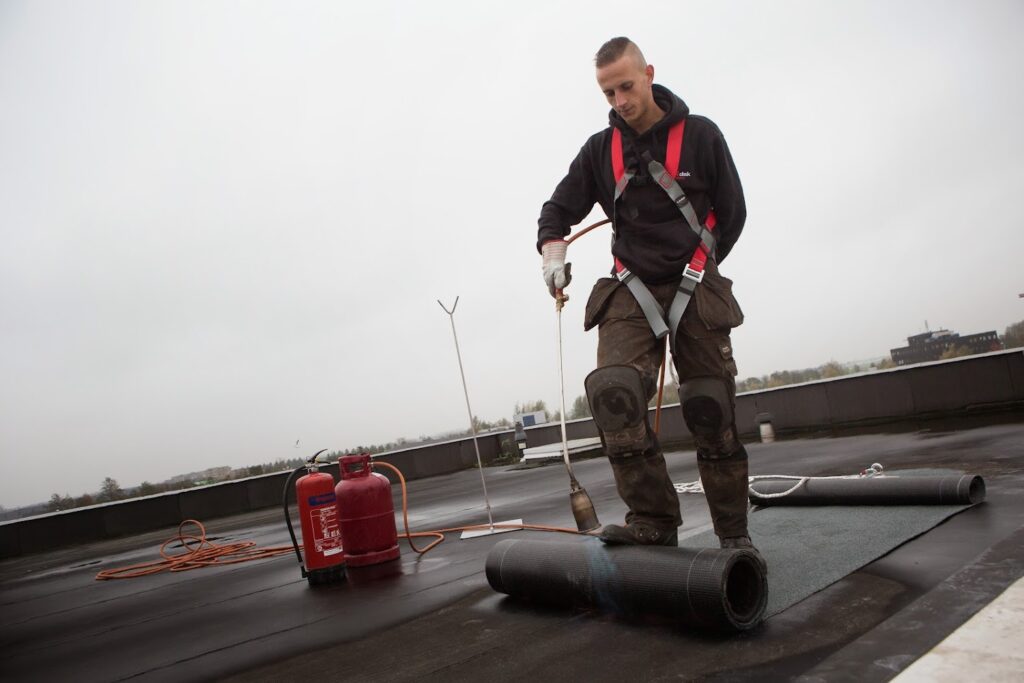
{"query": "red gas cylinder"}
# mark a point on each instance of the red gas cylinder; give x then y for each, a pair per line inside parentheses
(366, 513)
(321, 533)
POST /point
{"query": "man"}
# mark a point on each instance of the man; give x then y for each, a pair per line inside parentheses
(663, 230)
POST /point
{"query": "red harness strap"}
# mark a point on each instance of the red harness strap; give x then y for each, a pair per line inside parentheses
(618, 168)
(673, 150)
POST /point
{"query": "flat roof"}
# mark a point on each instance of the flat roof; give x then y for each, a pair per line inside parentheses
(435, 617)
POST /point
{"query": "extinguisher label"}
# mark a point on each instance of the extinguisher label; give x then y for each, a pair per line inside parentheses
(326, 532)
(322, 499)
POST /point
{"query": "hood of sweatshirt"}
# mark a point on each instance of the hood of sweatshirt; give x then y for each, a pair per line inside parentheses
(652, 140)
(674, 107)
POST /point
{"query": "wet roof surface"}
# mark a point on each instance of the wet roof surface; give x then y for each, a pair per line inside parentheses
(435, 617)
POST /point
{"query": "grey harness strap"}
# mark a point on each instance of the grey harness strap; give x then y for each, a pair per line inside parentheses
(648, 304)
(691, 277)
(679, 198)
(652, 310)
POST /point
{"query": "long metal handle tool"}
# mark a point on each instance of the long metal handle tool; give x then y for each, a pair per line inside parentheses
(560, 300)
(469, 409)
(582, 507)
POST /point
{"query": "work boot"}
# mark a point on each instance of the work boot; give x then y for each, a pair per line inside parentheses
(725, 488)
(638, 533)
(744, 543)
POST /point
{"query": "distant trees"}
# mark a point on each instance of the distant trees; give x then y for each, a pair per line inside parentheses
(110, 491)
(832, 369)
(147, 489)
(1013, 337)
(58, 502)
(580, 408)
(485, 426)
(529, 407)
(783, 378)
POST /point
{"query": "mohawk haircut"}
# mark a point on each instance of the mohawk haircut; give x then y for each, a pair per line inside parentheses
(616, 48)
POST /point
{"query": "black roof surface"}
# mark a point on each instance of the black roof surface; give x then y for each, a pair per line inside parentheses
(435, 617)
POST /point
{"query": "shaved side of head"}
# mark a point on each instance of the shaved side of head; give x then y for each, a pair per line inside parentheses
(615, 48)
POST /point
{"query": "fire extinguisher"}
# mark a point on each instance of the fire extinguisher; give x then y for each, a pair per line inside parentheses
(321, 535)
(366, 513)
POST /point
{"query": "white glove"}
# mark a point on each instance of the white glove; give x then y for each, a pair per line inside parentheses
(557, 273)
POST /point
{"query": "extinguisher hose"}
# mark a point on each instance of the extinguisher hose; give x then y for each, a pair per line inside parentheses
(287, 516)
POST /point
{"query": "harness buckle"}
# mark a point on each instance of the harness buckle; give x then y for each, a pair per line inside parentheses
(693, 274)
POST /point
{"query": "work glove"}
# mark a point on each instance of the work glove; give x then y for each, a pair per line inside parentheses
(557, 273)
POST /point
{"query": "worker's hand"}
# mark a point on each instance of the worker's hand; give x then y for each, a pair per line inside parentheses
(557, 273)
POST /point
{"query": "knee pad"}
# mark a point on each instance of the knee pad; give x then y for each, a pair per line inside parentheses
(707, 405)
(708, 413)
(618, 404)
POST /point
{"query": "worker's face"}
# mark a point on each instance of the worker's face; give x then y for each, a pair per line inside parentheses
(627, 87)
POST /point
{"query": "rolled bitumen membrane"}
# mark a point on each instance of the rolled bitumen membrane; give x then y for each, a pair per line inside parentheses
(706, 587)
(957, 489)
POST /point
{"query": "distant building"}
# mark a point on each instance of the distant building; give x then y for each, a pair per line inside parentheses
(929, 346)
(538, 417)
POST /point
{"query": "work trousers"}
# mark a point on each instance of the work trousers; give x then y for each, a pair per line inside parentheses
(702, 350)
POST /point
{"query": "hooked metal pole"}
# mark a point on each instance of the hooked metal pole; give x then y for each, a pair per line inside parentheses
(472, 427)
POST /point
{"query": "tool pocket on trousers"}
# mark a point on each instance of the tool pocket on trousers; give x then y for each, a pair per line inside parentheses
(717, 308)
(597, 304)
(725, 350)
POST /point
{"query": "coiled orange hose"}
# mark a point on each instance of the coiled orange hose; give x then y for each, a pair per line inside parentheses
(197, 551)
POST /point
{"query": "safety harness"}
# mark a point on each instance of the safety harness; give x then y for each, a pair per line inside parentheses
(693, 273)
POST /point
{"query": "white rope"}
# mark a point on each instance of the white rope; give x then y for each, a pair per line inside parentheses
(698, 486)
(780, 494)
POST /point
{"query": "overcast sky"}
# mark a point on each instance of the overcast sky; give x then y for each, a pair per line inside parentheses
(225, 224)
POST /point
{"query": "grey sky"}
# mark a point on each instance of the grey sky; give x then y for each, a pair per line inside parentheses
(225, 224)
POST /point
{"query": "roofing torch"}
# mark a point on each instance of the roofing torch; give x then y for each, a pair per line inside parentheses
(582, 507)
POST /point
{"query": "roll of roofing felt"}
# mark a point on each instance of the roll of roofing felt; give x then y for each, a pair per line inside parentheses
(957, 489)
(706, 587)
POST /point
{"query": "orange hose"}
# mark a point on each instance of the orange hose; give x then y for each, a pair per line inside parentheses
(405, 514)
(584, 231)
(197, 552)
(439, 533)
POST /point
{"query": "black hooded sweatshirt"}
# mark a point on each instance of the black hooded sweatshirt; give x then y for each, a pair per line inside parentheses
(652, 238)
